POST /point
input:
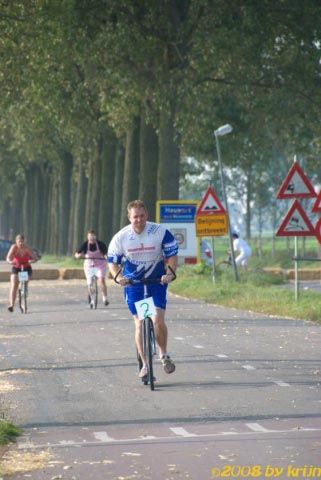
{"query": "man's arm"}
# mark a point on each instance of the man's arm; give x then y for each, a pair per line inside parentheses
(114, 269)
(172, 263)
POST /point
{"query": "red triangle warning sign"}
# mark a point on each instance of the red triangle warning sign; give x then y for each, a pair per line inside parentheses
(317, 205)
(296, 184)
(296, 223)
(210, 204)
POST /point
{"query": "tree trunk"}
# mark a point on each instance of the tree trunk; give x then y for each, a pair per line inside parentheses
(107, 186)
(168, 166)
(148, 167)
(131, 169)
(93, 194)
(80, 206)
(249, 192)
(64, 184)
(118, 186)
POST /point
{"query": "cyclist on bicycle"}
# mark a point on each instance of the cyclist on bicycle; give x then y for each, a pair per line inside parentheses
(19, 256)
(145, 246)
(94, 251)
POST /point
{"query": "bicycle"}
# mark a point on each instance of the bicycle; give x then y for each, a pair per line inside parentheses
(223, 264)
(148, 332)
(23, 277)
(93, 287)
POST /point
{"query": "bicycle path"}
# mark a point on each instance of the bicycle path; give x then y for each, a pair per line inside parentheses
(246, 392)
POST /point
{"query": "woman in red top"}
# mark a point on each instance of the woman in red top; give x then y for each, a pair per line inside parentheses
(19, 255)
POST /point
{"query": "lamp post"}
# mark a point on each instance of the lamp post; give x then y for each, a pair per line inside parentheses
(220, 132)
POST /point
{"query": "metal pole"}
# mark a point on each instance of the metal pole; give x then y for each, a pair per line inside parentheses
(296, 272)
(226, 207)
(213, 262)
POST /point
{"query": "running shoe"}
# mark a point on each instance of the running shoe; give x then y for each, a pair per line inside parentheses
(143, 372)
(167, 362)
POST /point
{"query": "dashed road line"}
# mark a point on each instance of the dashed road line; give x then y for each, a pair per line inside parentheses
(180, 435)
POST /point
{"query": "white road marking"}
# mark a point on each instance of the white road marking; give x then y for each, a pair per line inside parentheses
(198, 346)
(248, 367)
(221, 355)
(254, 431)
(103, 437)
(182, 432)
(281, 383)
(179, 338)
(256, 427)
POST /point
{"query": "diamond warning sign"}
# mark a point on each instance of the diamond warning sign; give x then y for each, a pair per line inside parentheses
(296, 223)
(210, 204)
(296, 184)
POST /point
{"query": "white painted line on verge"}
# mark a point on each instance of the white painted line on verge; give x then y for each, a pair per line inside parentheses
(281, 383)
(103, 437)
(182, 432)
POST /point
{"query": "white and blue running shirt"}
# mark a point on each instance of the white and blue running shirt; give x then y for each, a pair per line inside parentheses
(143, 253)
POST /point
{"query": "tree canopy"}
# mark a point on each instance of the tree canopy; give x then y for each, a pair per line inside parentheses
(103, 102)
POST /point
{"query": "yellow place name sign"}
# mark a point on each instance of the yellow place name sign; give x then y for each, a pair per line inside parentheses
(211, 225)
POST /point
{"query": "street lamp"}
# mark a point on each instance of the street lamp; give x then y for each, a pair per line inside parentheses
(220, 132)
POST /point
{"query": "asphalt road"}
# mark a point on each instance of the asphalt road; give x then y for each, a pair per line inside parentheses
(244, 402)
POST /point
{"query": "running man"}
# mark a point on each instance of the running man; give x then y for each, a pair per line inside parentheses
(244, 249)
(94, 251)
(145, 246)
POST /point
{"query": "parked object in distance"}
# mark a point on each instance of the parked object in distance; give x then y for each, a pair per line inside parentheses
(5, 246)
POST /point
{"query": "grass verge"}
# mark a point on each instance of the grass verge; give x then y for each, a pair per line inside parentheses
(8, 432)
(256, 291)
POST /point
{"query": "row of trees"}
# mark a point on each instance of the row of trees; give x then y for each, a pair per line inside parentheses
(106, 101)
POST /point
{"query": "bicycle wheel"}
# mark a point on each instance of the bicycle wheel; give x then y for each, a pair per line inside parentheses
(149, 350)
(93, 292)
(23, 291)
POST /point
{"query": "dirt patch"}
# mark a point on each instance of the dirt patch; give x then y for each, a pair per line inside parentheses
(6, 386)
(20, 462)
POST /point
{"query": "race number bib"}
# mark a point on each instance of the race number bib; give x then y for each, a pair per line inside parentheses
(145, 308)
(23, 276)
(92, 272)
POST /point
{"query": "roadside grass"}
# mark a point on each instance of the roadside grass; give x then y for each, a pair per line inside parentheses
(8, 432)
(61, 261)
(256, 291)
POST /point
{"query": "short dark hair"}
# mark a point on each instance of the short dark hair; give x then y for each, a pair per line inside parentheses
(235, 235)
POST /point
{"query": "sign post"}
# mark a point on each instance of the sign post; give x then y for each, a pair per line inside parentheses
(296, 223)
(179, 217)
(211, 220)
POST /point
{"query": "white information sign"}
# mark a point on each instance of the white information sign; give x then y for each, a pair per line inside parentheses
(23, 276)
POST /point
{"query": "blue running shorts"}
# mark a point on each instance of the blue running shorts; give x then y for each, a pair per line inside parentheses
(136, 292)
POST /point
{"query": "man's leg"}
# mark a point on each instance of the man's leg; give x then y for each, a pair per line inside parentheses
(161, 335)
(139, 345)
